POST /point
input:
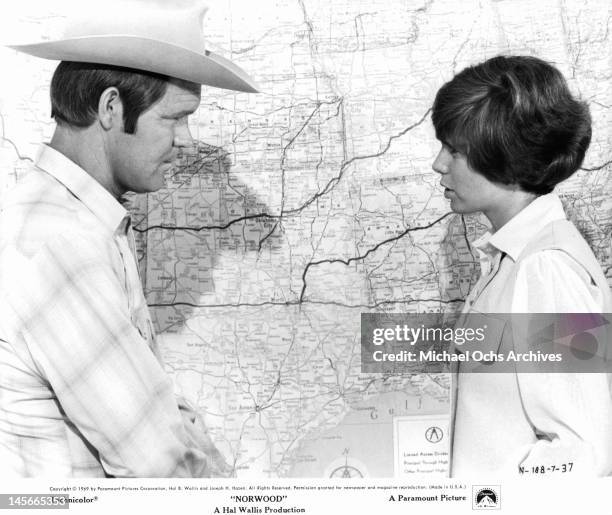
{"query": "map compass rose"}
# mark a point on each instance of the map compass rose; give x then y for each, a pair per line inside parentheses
(346, 470)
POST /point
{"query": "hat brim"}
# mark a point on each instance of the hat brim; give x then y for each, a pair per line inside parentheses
(145, 54)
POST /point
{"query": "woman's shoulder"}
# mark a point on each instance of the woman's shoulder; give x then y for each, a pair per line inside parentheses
(560, 243)
(557, 280)
(558, 234)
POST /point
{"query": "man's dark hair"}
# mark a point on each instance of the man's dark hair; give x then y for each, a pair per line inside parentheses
(76, 89)
(515, 120)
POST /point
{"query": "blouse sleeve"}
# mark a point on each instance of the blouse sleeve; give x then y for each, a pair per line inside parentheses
(571, 413)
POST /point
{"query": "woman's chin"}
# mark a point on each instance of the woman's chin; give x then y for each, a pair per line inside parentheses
(459, 207)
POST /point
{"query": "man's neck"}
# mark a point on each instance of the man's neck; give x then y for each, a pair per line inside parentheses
(85, 147)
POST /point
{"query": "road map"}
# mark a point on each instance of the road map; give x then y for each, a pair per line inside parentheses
(314, 201)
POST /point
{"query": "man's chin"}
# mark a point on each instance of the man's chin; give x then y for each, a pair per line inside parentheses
(149, 188)
(159, 180)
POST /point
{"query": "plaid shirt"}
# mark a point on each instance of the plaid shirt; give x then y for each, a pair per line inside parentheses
(82, 390)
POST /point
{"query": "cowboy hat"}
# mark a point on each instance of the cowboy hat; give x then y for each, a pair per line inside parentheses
(164, 38)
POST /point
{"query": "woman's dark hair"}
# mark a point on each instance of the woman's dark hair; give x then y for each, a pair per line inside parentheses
(515, 120)
(76, 90)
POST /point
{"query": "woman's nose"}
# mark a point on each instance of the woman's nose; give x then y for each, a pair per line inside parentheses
(440, 164)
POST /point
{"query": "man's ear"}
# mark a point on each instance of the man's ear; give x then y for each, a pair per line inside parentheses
(110, 109)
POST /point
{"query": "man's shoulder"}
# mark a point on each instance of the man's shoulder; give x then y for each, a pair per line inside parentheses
(37, 192)
(38, 210)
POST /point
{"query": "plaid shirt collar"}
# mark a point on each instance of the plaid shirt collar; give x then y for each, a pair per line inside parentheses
(83, 186)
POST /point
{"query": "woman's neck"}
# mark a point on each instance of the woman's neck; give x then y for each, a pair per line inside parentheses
(509, 207)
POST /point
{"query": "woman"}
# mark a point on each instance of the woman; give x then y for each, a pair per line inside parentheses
(511, 131)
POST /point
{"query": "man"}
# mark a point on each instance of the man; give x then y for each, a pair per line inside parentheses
(82, 389)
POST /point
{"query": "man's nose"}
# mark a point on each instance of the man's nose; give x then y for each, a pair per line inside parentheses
(440, 164)
(182, 136)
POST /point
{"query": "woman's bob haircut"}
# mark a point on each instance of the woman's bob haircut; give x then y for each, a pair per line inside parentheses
(515, 120)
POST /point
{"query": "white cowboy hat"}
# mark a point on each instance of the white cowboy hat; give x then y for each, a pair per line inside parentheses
(164, 38)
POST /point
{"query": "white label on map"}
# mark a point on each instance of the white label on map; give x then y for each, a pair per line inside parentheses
(421, 445)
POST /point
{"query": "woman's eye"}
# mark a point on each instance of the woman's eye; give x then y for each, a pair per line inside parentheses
(451, 150)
